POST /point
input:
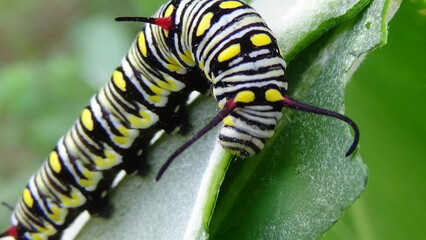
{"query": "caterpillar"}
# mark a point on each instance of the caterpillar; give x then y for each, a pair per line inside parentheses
(217, 47)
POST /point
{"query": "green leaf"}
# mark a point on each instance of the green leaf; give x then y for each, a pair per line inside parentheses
(384, 97)
(297, 23)
(297, 187)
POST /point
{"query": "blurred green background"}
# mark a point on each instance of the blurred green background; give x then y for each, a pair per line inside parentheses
(54, 55)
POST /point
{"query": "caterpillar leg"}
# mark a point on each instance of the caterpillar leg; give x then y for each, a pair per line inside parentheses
(181, 124)
(100, 208)
(98, 202)
(138, 165)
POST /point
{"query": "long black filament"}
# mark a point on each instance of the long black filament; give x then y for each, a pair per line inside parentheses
(7, 205)
(7, 233)
(291, 103)
(135, 19)
(229, 107)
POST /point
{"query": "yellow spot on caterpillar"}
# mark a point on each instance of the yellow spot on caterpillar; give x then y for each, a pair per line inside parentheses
(110, 156)
(73, 201)
(228, 121)
(174, 65)
(273, 95)
(88, 174)
(169, 85)
(229, 52)
(44, 231)
(187, 58)
(245, 96)
(169, 11)
(138, 122)
(118, 80)
(91, 179)
(142, 44)
(281, 53)
(172, 61)
(120, 140)
(204, 23)
(86, 183)
(155, 99)
(261, 39)
(105, 163)
(28, 199)
(174, 68)
(157, 90)
(123, 130)
(230, 4)
(134, 121)
(56, 214)
(145, 115)
(38, 236)
(54, 162)
(86, 118)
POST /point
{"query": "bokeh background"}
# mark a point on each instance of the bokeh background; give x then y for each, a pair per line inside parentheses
(55, 54)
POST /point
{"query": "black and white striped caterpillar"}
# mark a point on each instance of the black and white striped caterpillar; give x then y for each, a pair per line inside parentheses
(190, 45)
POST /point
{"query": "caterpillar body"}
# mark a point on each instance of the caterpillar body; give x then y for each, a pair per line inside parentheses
(221, 46)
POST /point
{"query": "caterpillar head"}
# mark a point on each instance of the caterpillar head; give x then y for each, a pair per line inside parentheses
(246, 99)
